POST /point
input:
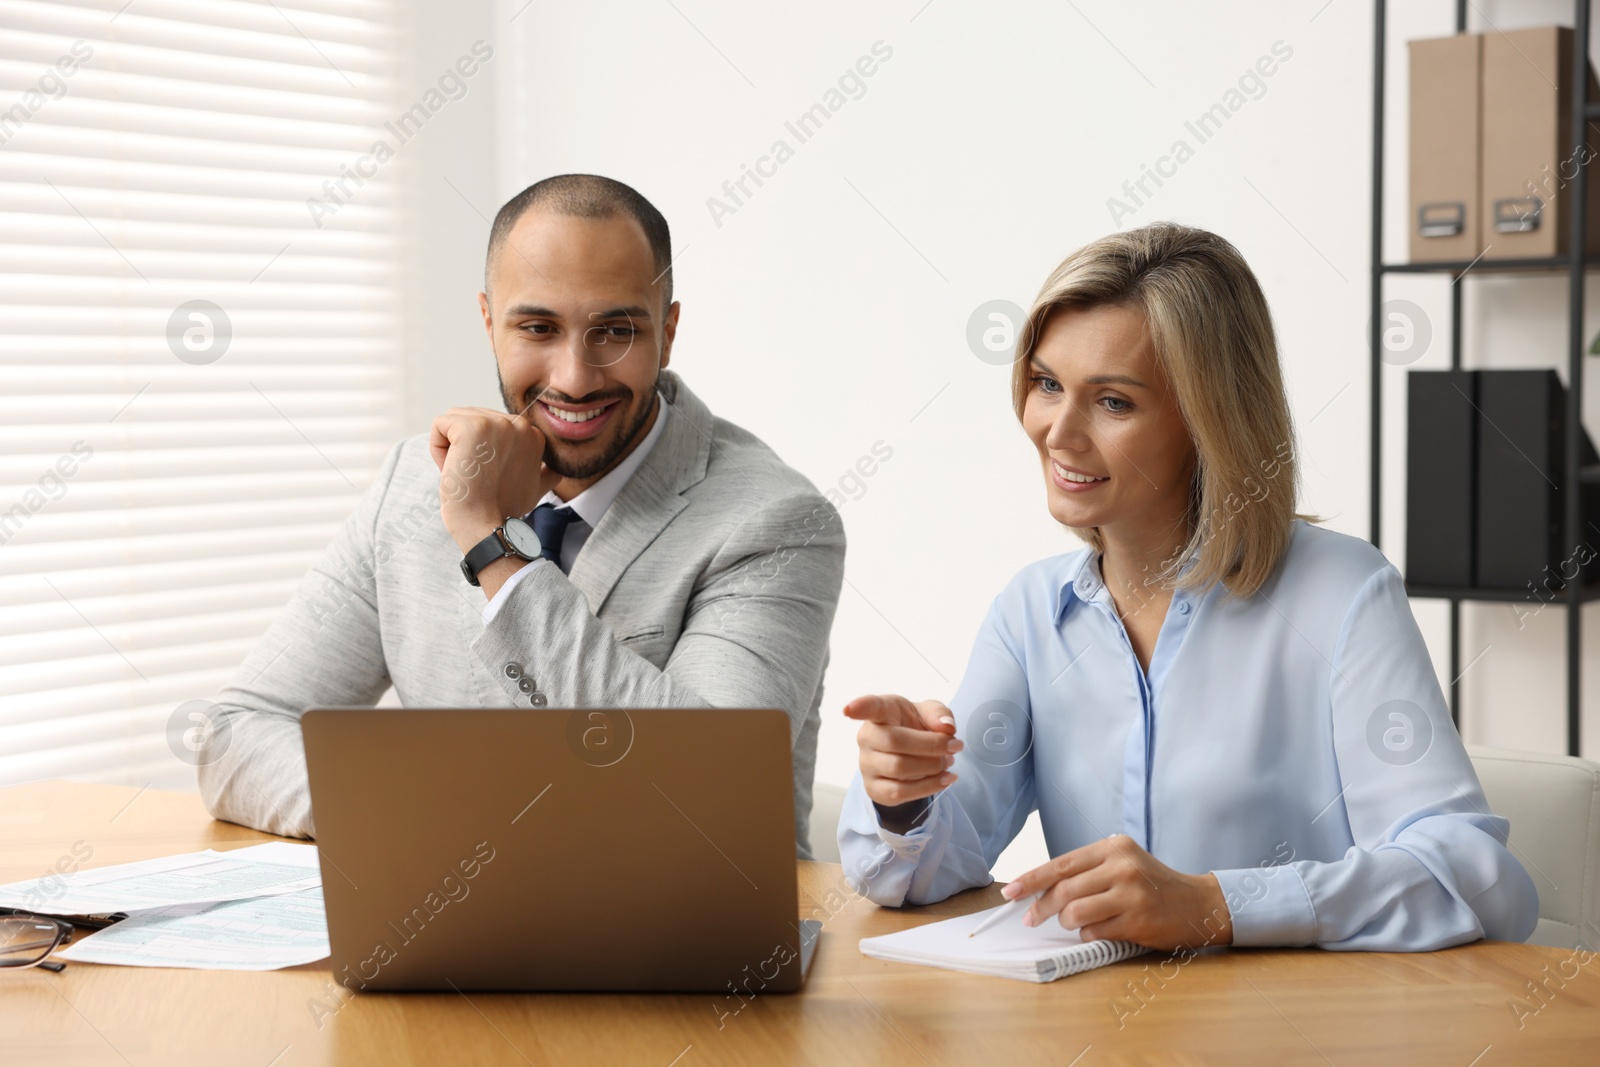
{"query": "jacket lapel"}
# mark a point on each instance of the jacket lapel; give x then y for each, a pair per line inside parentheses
(651, 498)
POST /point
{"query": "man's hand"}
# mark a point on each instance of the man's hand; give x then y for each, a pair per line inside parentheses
(491, 465)
(906, 748)
(1114, 889)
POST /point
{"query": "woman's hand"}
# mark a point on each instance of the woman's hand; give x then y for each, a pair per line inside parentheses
(1113, 889)
(906, 748)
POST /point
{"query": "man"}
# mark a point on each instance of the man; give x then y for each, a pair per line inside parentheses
(675, 560)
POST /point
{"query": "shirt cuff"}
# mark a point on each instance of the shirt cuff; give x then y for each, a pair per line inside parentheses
(912, 841)
(918, 819)
(1270, 907)
(491, 609)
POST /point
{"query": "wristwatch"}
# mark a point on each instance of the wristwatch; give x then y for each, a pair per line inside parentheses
(511, 538)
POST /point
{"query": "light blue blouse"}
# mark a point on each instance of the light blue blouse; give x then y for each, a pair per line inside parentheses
(1295, 743)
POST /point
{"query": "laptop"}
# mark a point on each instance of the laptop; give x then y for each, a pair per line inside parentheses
(600, 849)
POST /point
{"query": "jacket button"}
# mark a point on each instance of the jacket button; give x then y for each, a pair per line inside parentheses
(525, 684)
(538, 700)
(513, 670)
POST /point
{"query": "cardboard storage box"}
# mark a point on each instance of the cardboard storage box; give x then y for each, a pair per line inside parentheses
(1527, 159)
(1446, 214)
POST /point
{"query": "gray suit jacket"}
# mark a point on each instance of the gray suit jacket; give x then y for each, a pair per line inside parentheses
(711, 581)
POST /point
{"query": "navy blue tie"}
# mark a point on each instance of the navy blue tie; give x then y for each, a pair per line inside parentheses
(550, 523)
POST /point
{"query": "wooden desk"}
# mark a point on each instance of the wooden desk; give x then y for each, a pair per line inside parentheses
(1236, 1007)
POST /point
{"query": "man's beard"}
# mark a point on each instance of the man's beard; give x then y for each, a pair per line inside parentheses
(603, 462)
(620, 443)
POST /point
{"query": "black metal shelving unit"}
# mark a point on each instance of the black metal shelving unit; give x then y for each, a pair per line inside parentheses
(1575, 263)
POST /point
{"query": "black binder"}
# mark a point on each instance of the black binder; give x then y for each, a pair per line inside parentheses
(1441, 461)
(1484, 497)
(1521, 485)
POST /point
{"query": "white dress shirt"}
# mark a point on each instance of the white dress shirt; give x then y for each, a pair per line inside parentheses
(591, 505)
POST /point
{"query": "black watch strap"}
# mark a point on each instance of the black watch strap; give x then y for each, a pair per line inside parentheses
(484, 553)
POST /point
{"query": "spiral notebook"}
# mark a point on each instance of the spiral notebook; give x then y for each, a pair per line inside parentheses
(1005, 950)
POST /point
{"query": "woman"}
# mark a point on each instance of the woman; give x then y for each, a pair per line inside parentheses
(1225, 716)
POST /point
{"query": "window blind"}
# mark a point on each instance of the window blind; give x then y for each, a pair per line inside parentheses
(198, 349)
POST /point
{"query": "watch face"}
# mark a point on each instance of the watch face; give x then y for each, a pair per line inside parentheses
(520, 536)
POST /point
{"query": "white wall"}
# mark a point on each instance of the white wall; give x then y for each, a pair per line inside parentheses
(829, 311)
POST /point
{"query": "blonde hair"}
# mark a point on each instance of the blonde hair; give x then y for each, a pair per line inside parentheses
(1212, 334)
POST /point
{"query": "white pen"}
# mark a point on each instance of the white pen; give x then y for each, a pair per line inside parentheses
(1008, 908)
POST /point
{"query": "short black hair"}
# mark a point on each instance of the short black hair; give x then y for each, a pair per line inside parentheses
(588, 196)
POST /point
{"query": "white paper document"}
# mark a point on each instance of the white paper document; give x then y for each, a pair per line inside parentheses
(300, 855)
(191, 878)
(258, 934)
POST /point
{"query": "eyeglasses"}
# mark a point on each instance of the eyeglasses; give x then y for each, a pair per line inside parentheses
(28, 940)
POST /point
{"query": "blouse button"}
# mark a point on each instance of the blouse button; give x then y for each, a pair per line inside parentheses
(1183, 608)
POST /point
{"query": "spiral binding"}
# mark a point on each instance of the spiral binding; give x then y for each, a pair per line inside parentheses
(1088, 956)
